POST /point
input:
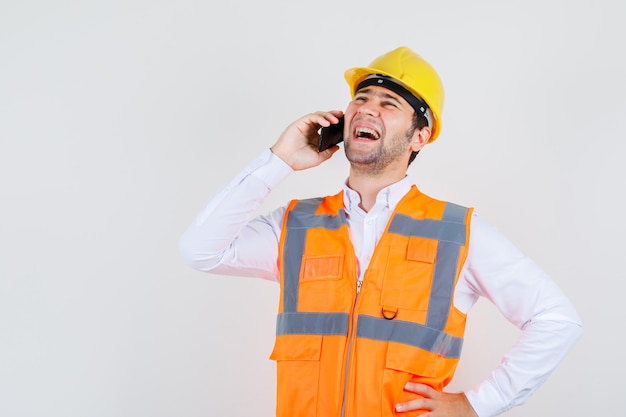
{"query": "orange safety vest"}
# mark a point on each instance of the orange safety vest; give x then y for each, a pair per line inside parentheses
(349, 353)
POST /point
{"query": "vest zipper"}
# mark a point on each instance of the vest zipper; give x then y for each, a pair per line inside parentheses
(351, 339)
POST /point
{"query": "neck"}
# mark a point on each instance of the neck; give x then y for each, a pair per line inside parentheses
(368, 185)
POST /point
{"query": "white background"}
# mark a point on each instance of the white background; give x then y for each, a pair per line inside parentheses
(118, 119)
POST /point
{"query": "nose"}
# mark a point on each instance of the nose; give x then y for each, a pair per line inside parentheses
(368, 109)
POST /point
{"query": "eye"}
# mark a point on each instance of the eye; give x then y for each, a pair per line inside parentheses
(390, 104)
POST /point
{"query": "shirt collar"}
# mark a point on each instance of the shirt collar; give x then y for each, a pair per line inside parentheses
(387, 198)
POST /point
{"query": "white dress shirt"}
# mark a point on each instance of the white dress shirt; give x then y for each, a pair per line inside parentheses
(229, 238)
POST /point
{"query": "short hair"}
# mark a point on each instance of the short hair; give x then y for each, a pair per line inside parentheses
(419, 122)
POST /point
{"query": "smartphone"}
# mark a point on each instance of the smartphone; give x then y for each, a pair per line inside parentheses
(331, 135)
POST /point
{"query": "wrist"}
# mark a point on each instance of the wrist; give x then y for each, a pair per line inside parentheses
(284, 156)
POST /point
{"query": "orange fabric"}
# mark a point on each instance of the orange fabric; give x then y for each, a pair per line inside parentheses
(319, 375)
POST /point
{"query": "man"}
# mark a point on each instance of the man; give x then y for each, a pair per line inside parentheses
(376, 281)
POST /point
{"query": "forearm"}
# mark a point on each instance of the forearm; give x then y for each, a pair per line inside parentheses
(225, 236)
(525, 367)
(530, 300)
(210, 241)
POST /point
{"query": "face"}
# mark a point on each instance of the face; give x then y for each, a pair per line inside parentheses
(378, 131)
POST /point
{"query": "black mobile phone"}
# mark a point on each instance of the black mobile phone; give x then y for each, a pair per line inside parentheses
(331, 135)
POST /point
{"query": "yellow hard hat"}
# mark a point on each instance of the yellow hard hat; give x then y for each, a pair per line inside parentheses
(411, 71)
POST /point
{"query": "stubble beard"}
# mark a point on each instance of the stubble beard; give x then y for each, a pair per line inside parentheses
(375, 161)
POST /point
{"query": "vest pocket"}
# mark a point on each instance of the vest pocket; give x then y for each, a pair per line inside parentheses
(322, 267)
(298, 370)
(409, 273)
(403, 364)
(413, 360)
(421, 249)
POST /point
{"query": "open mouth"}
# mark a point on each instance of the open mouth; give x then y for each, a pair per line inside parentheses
(366, 133)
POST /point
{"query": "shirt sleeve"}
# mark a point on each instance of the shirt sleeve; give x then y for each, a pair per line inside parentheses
(529, 299)
(227, 237)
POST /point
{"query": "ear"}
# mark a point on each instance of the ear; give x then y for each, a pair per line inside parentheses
(420, 138)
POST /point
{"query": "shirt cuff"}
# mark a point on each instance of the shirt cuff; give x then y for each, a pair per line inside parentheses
(483, 399)
(270, 169)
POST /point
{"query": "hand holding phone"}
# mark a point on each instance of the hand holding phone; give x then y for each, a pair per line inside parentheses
(331, 135)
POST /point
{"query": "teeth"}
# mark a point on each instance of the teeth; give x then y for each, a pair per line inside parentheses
(365, 132)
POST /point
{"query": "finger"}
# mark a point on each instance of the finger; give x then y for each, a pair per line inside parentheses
(421, 389)
(326, 118)
(327, 153)
(418, 404)
(336, 113)
(308, 125)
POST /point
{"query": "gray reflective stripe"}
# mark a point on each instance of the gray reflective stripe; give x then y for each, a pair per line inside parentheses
(444, 275)
(454, 213)
(412, 334)
(300, 219)
(442, 288)
(292, 258)
(451, 234)
(312, 323)
(429, 228)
